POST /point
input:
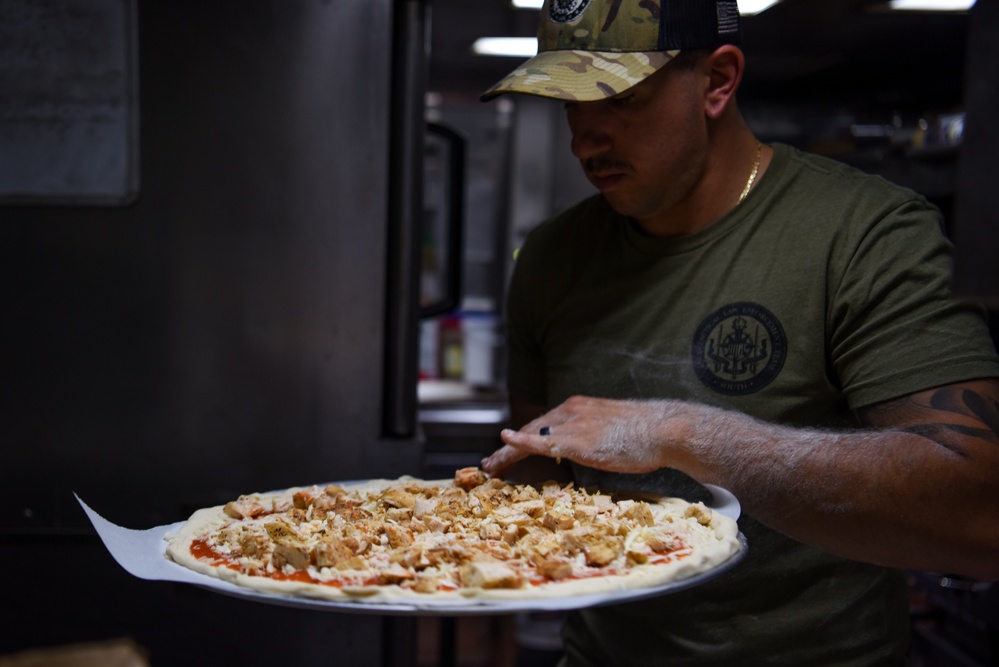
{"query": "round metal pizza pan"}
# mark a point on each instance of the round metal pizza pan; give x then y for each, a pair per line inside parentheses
(723, 501)
(143, 554)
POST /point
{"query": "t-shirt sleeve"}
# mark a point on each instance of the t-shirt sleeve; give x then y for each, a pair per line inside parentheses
(895, 325)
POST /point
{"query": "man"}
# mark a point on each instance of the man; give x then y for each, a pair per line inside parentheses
(752, 317)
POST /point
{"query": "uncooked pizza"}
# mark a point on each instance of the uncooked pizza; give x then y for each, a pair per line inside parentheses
(472, 537)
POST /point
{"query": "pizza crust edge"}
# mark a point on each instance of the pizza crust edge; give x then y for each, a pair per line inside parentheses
(717, 544)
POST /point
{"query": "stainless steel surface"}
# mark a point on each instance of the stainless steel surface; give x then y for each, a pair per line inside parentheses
(224, 333)
(410, 42)
(227, 331)
(459, 434)
(481, 415)
(443, 221)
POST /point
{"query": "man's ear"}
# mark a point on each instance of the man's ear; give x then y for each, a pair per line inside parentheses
(724, 66)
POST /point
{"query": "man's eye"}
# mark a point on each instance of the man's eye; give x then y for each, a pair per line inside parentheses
(622, 100)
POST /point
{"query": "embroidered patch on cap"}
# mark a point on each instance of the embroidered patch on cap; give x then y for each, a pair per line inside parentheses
(565, 11)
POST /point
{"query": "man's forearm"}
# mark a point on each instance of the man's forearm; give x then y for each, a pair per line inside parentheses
(890, 497)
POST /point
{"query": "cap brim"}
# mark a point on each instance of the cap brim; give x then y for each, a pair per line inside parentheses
(580, 76)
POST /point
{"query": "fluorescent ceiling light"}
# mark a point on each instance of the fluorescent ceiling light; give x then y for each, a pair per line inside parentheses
(932, 5)
(746, 7)
(522, 47)
(750, 7)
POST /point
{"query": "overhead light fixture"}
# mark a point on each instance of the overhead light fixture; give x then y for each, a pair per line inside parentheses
(527, 47)
(931, 5)
(746, 7)
(750, 7)
(520, 47)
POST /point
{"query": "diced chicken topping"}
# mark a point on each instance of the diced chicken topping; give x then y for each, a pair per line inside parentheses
(478, 532)
(469, 478)
(399, 498)
(424, 507)
(333, 554)
(490, 574)
(638, 511)
(426, 583)
(556, 520)
(661, 541)
(294, 557)
(282, 532)
(700, 513)
(555, 569)
(244, 507)
(306, 497)
(395, 574)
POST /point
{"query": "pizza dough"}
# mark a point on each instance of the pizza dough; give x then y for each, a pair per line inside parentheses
(471, 538)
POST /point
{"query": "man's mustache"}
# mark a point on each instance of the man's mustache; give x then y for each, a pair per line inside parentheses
(604, 164)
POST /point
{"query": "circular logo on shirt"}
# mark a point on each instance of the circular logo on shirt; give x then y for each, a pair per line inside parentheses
(739, 349)
(564, 11)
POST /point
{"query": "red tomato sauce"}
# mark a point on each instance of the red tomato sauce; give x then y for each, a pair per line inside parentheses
(201, 551)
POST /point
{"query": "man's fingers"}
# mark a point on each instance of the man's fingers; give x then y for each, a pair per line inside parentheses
(504, 457)
(522, 438)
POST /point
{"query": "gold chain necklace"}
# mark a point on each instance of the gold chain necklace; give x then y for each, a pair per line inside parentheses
(752, 174)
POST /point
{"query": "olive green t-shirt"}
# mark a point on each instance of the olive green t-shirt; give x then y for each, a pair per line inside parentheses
(824, 291)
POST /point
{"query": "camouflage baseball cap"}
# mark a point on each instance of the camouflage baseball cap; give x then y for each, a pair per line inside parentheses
(594, 49)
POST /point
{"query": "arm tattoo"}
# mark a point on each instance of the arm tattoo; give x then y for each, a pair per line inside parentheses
(947, 416)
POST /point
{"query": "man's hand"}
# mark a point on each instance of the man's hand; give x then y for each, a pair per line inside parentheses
(620, 436)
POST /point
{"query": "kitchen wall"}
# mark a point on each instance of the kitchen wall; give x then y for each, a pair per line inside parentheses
(220, 333)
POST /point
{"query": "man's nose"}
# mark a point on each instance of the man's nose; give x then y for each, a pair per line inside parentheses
(590, 136)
